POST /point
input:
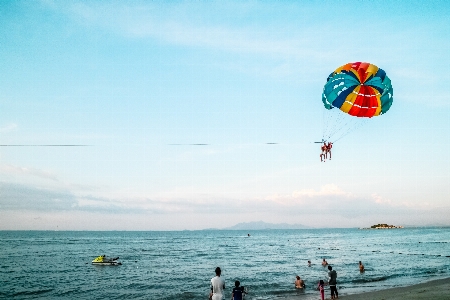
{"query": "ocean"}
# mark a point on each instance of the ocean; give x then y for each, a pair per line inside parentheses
(180, 264)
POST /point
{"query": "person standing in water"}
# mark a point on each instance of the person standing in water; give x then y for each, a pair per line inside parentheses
(217, 286)
(321, 289)
(238, 291)
(361, 267)
(299, 283)
(332, 275)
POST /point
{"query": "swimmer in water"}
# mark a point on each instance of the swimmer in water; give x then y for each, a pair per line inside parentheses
(324, 262)
(361, 267)
(299, 284)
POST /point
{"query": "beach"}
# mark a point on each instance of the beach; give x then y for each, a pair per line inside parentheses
(436, 289)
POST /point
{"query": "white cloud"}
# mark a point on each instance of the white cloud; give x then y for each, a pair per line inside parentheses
(381, 200)
(328, 206)
(328, 199)
(325, 190)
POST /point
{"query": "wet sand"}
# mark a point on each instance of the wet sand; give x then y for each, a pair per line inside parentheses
(436, 289)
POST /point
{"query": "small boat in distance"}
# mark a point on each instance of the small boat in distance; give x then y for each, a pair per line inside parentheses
(106, 261)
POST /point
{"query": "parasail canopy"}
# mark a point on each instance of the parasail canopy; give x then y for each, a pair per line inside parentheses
(358, 89)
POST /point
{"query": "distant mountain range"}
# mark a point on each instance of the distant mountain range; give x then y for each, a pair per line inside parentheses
(260, 225)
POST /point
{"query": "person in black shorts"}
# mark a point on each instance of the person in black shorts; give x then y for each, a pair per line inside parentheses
(332, 275)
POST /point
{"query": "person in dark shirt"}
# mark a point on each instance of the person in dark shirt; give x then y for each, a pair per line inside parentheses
(332, 275)
(238, 291)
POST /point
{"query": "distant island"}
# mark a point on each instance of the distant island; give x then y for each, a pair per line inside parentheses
(383, 226)
(260, 225)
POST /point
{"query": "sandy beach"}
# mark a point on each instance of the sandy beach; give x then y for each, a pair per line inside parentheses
(436, 289)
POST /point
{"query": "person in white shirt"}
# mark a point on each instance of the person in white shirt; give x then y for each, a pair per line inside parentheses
(217, 286)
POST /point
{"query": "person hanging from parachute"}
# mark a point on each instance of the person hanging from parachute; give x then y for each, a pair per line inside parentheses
(329, 146)
(326, 149)
(359, 90)
(323, 155)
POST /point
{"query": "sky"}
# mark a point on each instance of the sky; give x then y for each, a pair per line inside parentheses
(186, 115)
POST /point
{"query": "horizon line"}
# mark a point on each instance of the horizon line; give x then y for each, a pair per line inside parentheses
(46, 145)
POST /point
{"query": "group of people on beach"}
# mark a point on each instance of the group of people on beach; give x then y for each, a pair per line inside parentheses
(332, 276)
(218, 284)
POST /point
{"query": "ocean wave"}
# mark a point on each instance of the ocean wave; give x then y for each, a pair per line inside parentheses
(32, 293)
(372, 279)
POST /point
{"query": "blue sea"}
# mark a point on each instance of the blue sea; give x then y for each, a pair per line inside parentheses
(180, 264)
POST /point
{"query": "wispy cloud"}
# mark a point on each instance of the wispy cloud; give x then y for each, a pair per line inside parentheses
(26, 171)
(329, 202)
(284, 54)
(325, 190)
(173, 27)
(28, 197)
(8, 128)
(22, 197)
(331, 199)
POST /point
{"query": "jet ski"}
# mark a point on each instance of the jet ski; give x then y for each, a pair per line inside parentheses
(102, 260)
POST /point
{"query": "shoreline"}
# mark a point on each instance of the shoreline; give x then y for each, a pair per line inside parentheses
(435, 289)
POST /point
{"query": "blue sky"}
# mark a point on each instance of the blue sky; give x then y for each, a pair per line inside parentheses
(140, 82)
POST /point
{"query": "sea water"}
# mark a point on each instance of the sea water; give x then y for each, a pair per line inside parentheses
(179, 265)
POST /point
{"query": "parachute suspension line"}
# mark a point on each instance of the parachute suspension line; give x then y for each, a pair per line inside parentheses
(335, 121)
(324, 126)
(358, 125)
(349, 129)
(339, 124)
(331, 119)
(341, 121)
(343, 124)
(327, 123)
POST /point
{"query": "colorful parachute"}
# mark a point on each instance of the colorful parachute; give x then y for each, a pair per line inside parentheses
(358, 89)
